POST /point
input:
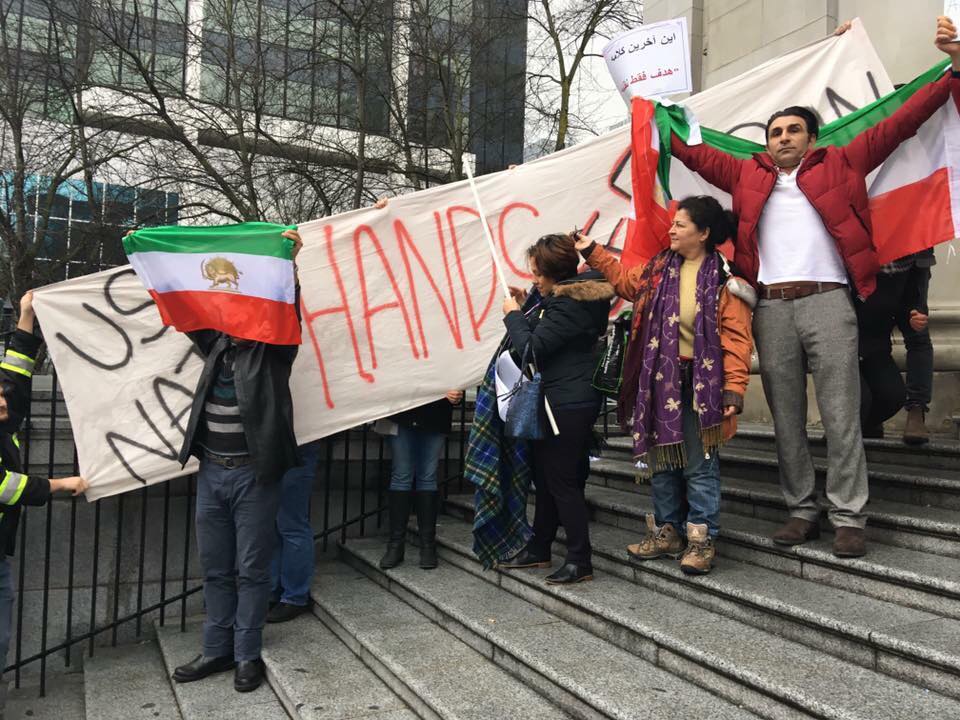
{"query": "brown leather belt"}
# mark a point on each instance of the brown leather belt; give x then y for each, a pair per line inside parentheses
(796, 290)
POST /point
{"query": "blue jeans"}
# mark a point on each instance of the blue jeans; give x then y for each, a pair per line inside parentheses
(699, 480)
(292, 568)
(236, 529)
(415, 457)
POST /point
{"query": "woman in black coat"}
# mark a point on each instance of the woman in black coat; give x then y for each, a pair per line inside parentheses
(562, 333)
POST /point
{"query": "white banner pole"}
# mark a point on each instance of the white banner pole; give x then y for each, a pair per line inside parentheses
(503, 278)
(486, 231)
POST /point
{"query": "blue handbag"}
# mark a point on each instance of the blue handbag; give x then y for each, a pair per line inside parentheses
(524, 416)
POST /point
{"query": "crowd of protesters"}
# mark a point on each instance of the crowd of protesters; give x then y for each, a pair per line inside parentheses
(803, 288)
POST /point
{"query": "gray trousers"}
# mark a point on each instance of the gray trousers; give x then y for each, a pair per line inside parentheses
(236, 532)
(819, 333)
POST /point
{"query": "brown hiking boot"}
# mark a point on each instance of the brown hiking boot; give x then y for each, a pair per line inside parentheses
(849, 542)
(658, 542)
(796, 531)
(698, 559)
(915, 432)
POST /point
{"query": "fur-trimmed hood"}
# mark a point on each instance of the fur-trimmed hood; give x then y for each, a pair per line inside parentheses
(585, 287)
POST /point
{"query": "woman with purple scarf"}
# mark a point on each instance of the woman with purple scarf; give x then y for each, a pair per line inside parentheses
(685, 375)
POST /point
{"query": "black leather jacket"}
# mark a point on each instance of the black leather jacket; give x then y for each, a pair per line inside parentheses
(262, 377)
(564, 334)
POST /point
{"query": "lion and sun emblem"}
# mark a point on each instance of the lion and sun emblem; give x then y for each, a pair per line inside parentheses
(222, 274)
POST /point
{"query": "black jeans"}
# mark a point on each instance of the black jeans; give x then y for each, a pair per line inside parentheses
(883, 391)
(561, 464)
(918, 345)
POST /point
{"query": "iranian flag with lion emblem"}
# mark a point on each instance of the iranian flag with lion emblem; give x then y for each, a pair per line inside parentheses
(237, 279)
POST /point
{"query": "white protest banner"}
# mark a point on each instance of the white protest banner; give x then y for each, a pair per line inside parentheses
(651, 61)
(399, 305)
(817, 75)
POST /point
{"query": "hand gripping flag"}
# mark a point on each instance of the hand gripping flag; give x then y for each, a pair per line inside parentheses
(914, 195)
(238, 279)
(650, 130)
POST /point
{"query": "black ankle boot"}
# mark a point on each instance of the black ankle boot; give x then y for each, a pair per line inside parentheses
(398, 511)
(428, 504)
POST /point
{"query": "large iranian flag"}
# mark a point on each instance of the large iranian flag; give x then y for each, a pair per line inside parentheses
(238, 279)
(914, 195)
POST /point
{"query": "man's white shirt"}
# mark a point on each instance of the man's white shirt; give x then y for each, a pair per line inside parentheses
(794, 244)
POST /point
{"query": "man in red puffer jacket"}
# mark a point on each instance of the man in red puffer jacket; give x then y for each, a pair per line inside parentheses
(804, 240)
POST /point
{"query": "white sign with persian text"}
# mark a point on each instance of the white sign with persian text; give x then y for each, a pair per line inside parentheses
(651, 61)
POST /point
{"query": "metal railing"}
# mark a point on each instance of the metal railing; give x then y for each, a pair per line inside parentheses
(94, 574)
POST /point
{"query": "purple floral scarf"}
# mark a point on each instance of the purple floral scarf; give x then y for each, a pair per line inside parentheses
(658, 416)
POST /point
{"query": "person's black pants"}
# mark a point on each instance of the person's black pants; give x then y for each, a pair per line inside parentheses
(561, 464)
(918, 345)
(883, 392)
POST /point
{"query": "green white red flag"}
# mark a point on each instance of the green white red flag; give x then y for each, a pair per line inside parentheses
(914, 195)
(237, 279)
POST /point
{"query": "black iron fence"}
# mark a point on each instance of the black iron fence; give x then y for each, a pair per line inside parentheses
(94, 574)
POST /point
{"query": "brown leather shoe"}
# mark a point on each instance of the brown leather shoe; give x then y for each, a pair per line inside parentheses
(849, 542)
(796, 531)
(915, 431)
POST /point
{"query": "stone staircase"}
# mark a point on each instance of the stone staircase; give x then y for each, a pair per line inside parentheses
(777, 633)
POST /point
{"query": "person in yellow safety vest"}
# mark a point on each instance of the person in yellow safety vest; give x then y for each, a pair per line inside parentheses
(16, 488)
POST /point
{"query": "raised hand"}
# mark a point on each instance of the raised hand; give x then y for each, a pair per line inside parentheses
(946, 40)
(582, 242)
(297, 241)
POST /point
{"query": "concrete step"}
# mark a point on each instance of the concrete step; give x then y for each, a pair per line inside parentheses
(943, 451)
(63, 699)
(918, 477)
(439, 674)
(907, 577)
(898, 641)
(128, 682)
(928, 528)
(317, 677)
(772, 675)
(587, 675)
(41, 426)
(213, 698)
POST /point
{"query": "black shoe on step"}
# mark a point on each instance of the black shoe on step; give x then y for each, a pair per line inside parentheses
(202, 666)
(282, 612)
(570, 573)
(526, 558)
(248, 675)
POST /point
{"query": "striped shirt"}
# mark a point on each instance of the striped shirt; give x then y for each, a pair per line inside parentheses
(222, 427)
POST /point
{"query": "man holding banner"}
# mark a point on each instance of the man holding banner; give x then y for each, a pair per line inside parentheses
(234, 289)
(804, 237)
